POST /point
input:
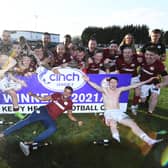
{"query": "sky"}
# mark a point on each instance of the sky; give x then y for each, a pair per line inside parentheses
(73, 16)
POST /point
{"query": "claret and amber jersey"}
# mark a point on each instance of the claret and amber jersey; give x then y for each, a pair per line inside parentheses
(128, 68)
(58, 105)
(152, 70)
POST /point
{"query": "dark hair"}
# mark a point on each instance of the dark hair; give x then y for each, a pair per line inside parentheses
(38, 46)
(98, 51)
(69, 88)
(113, 42)
(33, 59)
(152, 49)
(67, 36)
(45, 54)
(16, 43)
(115, 78)
(80, 49)
(46, 33)
(92, 37)
(22, 38)
(156, 31)
(126, 47)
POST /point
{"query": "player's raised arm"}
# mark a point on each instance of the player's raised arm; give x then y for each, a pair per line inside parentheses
(94, 85)
(137, 84)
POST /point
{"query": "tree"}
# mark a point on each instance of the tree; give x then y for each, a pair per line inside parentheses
(165, 38)
(90, 32)
(77, 40)
(105, 35)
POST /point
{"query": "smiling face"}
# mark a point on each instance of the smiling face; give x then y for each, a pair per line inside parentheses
(46, 38)
(150, 57)
(67, 93)
(60, 49)
(128, 39)
(6, 36)
(155, 37)
(127, 54)
(80, 55)
(113, 48)
(113, 83)
(26, 61)
(39, 53)
(92, 44)
(16, 48)
(98, 57)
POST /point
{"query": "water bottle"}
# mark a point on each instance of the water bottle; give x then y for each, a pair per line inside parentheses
(5, 122)
(104, 142)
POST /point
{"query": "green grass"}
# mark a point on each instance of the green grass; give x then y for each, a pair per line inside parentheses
(72, 145)
(73, 148)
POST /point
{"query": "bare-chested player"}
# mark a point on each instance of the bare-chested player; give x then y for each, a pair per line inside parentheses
(113, 113)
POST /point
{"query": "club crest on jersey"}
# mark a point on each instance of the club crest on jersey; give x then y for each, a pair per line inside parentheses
(132, 65)
(65, 103)
(100, 65)
(152, 68)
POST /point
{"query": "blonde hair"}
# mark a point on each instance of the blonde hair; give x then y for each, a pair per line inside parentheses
(132, 45)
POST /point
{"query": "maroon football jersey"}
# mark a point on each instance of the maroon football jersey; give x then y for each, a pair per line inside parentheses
(58, 105)
(94, 68)
(128, 68)
(148, 71)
